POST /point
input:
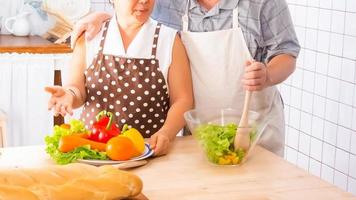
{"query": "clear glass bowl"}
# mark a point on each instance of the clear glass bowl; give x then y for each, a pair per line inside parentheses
(215, 131)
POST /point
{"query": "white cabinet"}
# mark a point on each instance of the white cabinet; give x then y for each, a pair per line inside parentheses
(22, 96)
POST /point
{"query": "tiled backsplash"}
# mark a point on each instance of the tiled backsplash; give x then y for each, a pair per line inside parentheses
(320, 96)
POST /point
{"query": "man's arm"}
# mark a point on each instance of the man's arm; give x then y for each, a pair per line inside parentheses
(90, 24)
(281, 44)
(259, 76)
(279, 69)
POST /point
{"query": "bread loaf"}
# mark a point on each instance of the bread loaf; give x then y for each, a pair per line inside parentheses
(70, 182)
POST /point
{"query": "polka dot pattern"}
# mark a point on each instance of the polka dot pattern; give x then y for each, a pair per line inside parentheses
(133, 89)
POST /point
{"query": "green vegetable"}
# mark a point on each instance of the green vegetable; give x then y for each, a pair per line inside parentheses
(217, 142)
(84, 152)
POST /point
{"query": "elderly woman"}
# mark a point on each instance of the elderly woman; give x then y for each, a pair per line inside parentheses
(135, 68)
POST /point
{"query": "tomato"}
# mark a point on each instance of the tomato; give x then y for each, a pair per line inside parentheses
(120, 148)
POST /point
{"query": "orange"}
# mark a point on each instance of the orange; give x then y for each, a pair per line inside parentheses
(120, 148)
(137, 140)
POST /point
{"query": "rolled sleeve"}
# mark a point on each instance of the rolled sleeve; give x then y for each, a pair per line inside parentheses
(278, 32)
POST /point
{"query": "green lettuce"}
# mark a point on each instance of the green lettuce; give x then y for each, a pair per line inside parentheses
(84, 152)
(218, 142)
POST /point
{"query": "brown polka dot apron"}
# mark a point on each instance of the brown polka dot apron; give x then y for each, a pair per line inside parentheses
(133, 89)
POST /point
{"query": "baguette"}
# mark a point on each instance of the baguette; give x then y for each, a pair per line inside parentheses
(70, 182)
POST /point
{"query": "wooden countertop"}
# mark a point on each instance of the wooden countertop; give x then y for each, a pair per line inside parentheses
(185, 174)
(30, 44)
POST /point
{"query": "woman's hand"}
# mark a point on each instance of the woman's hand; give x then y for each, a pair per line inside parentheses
(255, 77)
(61, 100)
(160, 143)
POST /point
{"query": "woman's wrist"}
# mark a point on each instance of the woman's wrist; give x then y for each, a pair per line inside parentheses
(75, 92)
(168, 132)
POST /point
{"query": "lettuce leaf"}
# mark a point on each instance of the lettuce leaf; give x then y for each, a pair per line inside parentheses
(84, 152)
(218, 140)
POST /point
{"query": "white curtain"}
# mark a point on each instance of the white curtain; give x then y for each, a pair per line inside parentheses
(22, 97)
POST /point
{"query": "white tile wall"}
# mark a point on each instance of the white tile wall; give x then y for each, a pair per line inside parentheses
(340, 179)
(339, 5)
(307, 102)
(322, 60)
(303, 161)
(351, 185)
(348, 71)
(315, 167)
(353, 146)
(350, 5)
(343, 138)
(352, 166)
(328, 154)
(292, 155)
(326, 79)
(327, 173)
(337, 21)
(304, 143)
(346, 91)
(330, 133)
(306, 123)
(349, 47)
(320, 97)
(317, 127)
(342, 161)
(316, 149)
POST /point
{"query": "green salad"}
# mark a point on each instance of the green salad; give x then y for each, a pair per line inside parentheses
(84, 152)
(218, 143)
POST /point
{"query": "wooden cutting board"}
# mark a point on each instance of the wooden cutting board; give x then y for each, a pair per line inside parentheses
(139, 197)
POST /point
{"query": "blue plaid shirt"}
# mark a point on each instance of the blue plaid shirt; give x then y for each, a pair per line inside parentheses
(266, 24)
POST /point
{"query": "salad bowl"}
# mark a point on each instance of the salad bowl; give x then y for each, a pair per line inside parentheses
(215, 130)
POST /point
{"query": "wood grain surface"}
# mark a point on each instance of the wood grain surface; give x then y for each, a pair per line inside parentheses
(30, 44)
(185, 174)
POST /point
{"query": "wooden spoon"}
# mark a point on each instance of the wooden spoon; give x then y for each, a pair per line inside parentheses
(242, 138)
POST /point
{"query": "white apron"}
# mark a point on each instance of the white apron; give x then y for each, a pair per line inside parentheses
(217, 61)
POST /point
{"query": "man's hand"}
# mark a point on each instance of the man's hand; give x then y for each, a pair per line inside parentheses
(90, 24)
(255, 77)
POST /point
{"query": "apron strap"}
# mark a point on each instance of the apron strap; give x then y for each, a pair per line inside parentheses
(185, 17)
(235, 17)
(102, 42)
(155, 41)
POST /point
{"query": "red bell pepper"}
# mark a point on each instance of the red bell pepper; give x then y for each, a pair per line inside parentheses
(104, 128)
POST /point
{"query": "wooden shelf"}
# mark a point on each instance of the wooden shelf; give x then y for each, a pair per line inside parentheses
(31, 44)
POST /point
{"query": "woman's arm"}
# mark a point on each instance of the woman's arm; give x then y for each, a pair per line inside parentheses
(64, 99)
(76, 83)
(181, 99)
(180, 90)
(90, 24)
